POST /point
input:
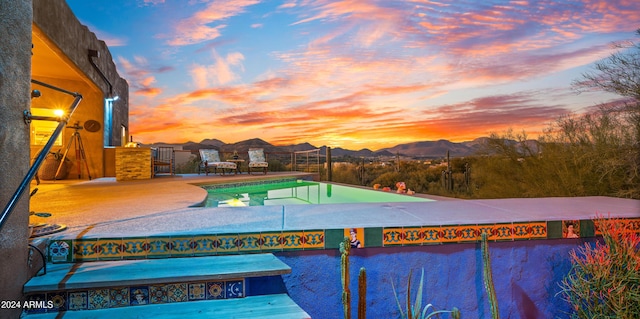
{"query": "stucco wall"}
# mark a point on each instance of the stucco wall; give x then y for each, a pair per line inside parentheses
(57, 22)
(55, 19)
(526, 276)
(15, 71)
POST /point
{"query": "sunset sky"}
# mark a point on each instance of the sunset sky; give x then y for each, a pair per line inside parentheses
(354, 74)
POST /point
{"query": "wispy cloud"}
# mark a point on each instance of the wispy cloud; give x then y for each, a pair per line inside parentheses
(366, 73)
(140, 75)
(220, 73)
(197, 28)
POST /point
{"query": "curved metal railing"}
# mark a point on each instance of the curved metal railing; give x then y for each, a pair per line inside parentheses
(62, 122)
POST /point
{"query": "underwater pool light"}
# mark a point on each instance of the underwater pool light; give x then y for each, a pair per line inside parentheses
(235, 201)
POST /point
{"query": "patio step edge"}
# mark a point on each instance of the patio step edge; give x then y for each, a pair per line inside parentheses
(277, 306)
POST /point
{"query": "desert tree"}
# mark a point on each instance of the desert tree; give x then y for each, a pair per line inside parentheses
(618, 124)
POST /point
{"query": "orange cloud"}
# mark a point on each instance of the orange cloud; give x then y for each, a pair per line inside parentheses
(139, 75)
(373, 74)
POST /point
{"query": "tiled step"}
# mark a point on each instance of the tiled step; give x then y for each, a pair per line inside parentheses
(130, 283)
(92, 275)
(278, 306)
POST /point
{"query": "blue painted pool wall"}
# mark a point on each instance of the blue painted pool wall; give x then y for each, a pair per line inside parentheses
(526, 276)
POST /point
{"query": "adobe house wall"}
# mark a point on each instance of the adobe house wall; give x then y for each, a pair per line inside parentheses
(15, 73)
(53, 21)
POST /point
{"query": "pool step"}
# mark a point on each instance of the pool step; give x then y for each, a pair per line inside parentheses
(278, 306)
(151, 282)
(103, 274)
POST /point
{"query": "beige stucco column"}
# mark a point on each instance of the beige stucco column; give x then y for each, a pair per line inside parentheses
(15, 76)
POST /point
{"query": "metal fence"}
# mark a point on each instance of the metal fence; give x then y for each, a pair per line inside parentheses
(298, 161)
(307, 161)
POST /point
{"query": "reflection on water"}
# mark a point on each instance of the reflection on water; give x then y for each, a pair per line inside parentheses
(299, 193)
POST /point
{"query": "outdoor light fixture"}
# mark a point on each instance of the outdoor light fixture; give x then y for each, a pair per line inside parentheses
(59, 117)
(35, 94)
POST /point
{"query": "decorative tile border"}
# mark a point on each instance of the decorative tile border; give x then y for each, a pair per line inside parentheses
(630, 226)
(73, 250)
(115, 297)
(312, 239)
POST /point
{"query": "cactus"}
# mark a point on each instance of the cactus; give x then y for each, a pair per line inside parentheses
(345, 248)
(362, 294)
(488, 278)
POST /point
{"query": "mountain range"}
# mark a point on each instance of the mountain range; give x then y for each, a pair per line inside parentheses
(424, 149)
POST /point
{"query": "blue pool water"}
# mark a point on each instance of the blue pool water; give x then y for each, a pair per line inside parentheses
(299, 193)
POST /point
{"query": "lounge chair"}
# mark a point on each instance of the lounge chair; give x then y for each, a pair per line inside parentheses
(210, 158)
(257, 160)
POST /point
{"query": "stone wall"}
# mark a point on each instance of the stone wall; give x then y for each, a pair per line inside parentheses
(15, 75)
(133, 163)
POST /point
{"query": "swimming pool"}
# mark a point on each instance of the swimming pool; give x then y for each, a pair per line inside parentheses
(298, 192)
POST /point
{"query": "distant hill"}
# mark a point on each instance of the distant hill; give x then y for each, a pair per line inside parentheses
(424, 149)
(430, 149)
(212, 142)
(416, 150)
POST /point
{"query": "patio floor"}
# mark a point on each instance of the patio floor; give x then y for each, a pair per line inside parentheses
(105, 207)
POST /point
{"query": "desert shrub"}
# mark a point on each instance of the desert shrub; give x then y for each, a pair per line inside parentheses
(388, 179)
(604, 281)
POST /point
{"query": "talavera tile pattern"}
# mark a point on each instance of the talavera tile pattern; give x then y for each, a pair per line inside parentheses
(81, 249)
(115, 297)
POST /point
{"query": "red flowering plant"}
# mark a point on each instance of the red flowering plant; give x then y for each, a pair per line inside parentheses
(604, 281)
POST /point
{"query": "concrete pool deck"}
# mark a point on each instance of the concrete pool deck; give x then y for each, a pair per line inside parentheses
(163, 206)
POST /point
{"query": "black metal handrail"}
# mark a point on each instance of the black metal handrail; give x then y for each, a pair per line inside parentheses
(62, 122)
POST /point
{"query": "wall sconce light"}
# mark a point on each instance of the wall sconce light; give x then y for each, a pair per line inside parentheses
(35, 94)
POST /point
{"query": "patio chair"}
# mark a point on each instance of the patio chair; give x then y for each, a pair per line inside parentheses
(257, 160)
(210, 158)
(163, 160)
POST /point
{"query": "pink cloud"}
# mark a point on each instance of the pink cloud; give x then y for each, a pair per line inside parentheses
(375, 70)
(197, 29)
(139, 74)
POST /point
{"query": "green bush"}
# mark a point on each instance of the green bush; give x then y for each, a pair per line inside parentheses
(189, 167)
